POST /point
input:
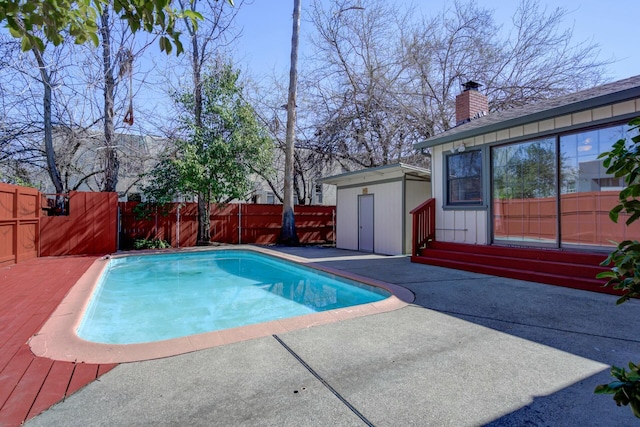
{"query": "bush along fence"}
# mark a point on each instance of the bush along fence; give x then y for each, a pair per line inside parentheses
(235, 223)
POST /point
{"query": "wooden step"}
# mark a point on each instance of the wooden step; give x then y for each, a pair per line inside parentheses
(559, 255)
(531, 276)
(588, 271)
(571, 269)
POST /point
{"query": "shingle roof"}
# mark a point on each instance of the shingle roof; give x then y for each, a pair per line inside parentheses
(605, 94)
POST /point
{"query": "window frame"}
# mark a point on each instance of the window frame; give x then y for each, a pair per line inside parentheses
(466, 204)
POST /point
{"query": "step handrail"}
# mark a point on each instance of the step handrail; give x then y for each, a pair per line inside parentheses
(424, 225)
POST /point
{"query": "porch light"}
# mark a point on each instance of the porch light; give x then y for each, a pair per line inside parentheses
(459, 149)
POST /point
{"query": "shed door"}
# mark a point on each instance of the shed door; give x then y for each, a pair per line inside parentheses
(365, 223)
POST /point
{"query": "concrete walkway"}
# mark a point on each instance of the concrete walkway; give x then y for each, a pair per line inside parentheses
(472, 350)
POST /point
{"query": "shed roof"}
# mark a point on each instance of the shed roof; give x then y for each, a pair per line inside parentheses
(378, 173)
(598, 96)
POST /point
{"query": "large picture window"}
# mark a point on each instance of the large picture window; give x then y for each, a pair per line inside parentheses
(464, 178)
(587, 192)
(556, 191)
(524, 192)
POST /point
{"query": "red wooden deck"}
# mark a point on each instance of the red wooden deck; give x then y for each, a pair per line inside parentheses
(29, 293)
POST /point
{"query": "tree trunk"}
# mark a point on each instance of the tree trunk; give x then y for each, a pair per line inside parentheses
(204, 225)
(54, 173)
(112, 163)
(204, 202)
(288, 234)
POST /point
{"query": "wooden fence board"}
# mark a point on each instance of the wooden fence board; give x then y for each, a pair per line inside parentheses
(19, 223)
(231, 223)
(90, 227)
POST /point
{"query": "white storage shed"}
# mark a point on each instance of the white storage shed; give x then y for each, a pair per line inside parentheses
(373, 205)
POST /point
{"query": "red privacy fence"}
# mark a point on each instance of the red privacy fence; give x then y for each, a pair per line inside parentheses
(33, 224)
(91, 226)
(19, 223)
(233, 223)
(584, 219)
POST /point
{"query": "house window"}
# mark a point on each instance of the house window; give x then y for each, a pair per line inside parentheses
(587, 192)
(271, 198)
(318, 194)
(556, 192)
(464, 178)
(524, 192)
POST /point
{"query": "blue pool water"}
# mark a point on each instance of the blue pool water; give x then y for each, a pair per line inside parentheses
(156, 297)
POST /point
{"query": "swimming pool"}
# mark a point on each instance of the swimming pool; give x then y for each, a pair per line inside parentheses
(149, 298)
(58, 338)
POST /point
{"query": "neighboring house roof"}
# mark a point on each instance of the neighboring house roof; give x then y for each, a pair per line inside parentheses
(606, 94)
(377, 174)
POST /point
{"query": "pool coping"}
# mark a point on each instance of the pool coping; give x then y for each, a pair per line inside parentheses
(57, 338)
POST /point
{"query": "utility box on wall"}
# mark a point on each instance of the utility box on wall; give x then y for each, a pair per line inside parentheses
(373, 205)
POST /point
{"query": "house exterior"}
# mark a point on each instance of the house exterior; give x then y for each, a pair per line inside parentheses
(530, 177)
(308, 186)
(373, 207)
(80, 158)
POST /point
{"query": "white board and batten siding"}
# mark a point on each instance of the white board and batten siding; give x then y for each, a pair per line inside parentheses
(472, 226)
(387, 221)
(463, 226)
(396, 190)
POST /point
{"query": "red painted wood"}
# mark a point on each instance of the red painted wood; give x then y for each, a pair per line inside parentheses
(103, 369)
(555, 267)
(19, 223)
(90, 227)
(424, 225)
(504, 261)
(255, 223)
(26, 390)
(12, 373)
(29, 292)
(576, 257)
(54, 387)
(83, 374)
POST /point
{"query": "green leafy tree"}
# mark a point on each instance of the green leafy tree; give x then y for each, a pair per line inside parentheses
(219, 153)
(624, 161)
(30, 20)
(528, 172)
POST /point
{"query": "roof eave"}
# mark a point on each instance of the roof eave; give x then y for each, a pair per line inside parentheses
(405, 168)
(599, 101)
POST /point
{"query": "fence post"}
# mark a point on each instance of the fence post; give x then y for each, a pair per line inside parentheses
(16, 224)
(333, 223)
(239, 223)
(178, 225)
(118, 228)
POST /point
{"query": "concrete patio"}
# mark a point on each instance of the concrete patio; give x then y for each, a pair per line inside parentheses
(471, 350)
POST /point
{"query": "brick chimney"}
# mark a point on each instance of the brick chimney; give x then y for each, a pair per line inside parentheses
(470, 104)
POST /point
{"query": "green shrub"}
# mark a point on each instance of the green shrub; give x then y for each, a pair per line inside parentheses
(624, 161)
(626, 390)
(150, 244)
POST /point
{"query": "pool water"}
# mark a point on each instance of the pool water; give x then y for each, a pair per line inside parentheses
(157, 297)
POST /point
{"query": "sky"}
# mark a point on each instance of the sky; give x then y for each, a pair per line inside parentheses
(265, 44)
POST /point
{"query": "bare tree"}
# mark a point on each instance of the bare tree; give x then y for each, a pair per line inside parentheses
(308, 164)
(358, 72)
(288, 234)
(532, 59)
(386, 80)
(45, 78)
